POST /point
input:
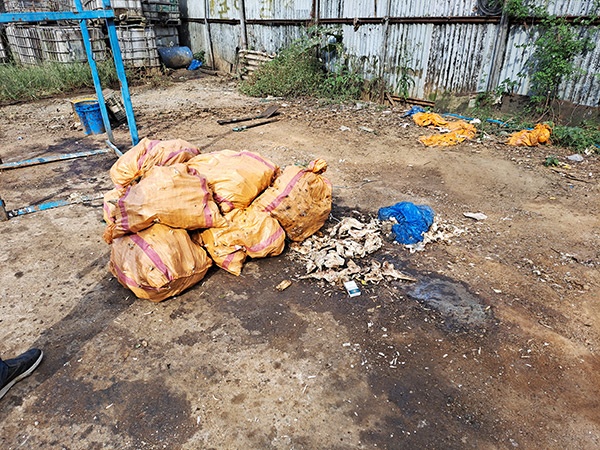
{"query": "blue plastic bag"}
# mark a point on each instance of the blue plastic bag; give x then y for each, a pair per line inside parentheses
(413, 220)
(413, 110)
(195, 64)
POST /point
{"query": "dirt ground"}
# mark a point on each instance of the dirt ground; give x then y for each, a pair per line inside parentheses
(494, 347)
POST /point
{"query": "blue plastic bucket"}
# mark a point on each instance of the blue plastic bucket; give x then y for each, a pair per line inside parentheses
(90, 116)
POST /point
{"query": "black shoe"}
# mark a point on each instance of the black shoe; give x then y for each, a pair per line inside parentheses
(21, 367)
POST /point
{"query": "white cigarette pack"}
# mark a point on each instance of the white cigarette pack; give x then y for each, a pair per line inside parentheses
(352, 288)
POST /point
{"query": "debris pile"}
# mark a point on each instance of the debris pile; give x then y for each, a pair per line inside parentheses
(452, 132)
(174, 211)
(331, 256)
(438, 232)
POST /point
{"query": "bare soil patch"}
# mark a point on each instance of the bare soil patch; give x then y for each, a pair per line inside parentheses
(234, 363)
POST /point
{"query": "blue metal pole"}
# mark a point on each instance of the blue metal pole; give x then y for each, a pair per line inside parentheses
(52, 158)
(92, 62)
(118, 152)
(120, 68)
(53, 204)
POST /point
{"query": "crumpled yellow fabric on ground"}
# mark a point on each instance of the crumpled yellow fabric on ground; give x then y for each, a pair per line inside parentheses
(425, 119)
(530, 138)
(458, 132)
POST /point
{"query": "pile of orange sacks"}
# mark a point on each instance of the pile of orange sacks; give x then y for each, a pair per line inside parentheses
(174, 212)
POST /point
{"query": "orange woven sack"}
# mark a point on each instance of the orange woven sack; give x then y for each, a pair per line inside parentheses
(530, 138)
(109, 207)
(146, 154)
(230, 258)
(459, 131)
(425, 119)
(300, 199)
(158, 262)
(173, 196)
(250, 232)
(236, 178)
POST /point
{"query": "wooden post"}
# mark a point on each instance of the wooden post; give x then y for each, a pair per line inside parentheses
(244, 30)
(383, 66)
(208, 38)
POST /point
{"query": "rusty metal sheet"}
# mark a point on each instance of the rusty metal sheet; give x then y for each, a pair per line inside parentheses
(269, 39)
(460, 58)
(425, 8)
(441, 57)
(275, 9)
(408, 8)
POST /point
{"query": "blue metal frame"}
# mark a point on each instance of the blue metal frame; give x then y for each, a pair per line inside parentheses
(83, 16)
(52, 158)
(31, 17)
(51, 205)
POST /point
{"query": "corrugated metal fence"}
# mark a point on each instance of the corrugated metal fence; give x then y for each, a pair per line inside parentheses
(446, 46)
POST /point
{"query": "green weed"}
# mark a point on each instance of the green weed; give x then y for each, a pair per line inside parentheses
(299, 70)
(576, 138)
(34, 82)
(552, 161)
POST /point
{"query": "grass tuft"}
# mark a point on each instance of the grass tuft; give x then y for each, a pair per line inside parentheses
(23, 83)
(299, 70)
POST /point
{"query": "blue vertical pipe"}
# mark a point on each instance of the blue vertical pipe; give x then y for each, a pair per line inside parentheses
(118, 59)
(92, 62)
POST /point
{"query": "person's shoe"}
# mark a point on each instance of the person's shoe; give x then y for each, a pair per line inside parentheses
(21, 367)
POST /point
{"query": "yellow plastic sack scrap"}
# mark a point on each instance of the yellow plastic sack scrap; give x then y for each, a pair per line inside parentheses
(170, 195)
(158, 262)
(300, 199)
(530, 138)
(249, 232)
(236, 178)
(459, 131)
(147, 154)
(425, 119)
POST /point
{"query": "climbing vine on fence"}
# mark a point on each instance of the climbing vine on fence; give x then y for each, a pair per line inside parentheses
(556, 47)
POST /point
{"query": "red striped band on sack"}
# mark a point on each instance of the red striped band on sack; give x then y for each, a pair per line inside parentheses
(144, 155)
(123, 210)
(107, 212)
(258, 158)
(228, 259)
(130, 282)
(267, 242)
(152, 255)
(172, 155)
(277, 201)
(208, 218)
(220, 199)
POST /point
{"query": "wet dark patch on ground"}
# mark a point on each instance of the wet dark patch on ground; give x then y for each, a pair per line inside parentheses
(459, 308)
(141, 413)
(101, 261)
(56, 180)
(397, 324)
(260, 308)
(63, 340)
